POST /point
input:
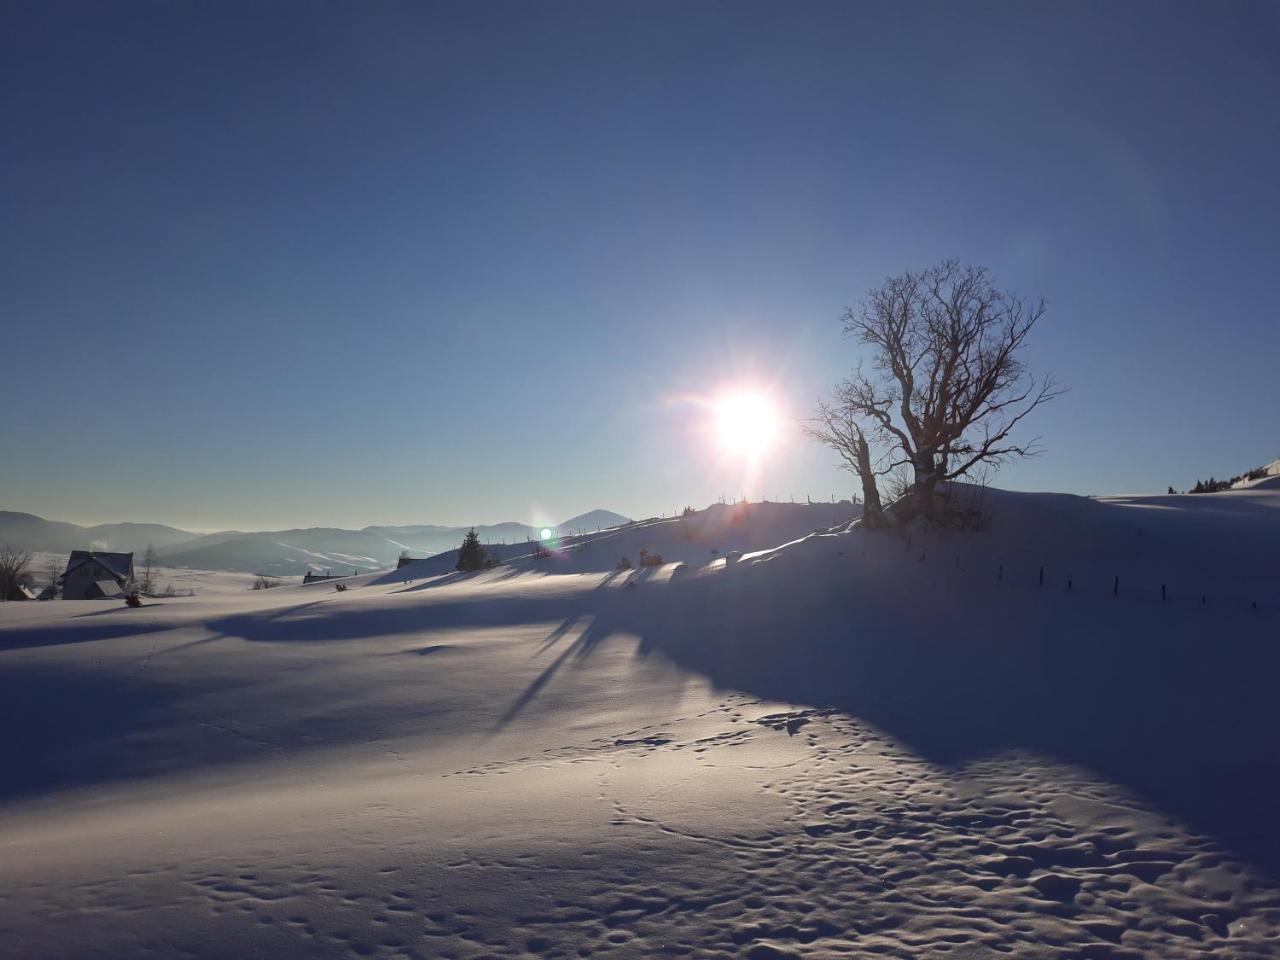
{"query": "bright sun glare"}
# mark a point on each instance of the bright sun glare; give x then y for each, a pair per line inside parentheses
(746, 423)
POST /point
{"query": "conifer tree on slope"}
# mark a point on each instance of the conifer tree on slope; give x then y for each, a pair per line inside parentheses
(471, 555)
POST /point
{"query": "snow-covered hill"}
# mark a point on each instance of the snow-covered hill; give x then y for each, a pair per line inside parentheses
(1269, 479)
(700, 538)
(847, 744)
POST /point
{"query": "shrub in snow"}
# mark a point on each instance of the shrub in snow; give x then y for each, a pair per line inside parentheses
(340, 587)
(133, 600)
(624, 564)
(648, 559)
(265, 583)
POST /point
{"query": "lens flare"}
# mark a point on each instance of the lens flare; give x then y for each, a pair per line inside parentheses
(746, 424)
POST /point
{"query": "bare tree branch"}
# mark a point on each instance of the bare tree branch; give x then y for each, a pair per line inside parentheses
(947, 383)
(14, 564)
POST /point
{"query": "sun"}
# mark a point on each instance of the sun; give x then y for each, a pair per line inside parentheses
(746, 424)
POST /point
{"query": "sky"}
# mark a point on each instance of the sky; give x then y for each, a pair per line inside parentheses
(327, 263)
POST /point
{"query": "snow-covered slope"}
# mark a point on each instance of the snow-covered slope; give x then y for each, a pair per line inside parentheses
(701, 538)
(591, 520)
(1269, 480)
(852, 744)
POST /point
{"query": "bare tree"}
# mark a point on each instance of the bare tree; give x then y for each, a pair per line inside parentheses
(947, 383)
(14, 564)
(53, 568)
(838, 427)
(148, 583)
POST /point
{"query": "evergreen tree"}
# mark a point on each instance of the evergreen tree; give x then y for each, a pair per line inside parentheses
(471, 556)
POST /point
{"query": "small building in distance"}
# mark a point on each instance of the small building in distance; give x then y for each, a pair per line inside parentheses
(95, 575)
(20, 591)
(327, 575)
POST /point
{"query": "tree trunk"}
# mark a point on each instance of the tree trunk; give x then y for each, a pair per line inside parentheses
(872, 511)
(928, 474)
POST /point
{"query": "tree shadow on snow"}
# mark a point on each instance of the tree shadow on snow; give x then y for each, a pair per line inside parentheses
(1177, 703)
(583, 644)
(73, 632)
(76, 727)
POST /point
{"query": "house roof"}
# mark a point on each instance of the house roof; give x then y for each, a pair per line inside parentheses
(118, 563)
(108, 588)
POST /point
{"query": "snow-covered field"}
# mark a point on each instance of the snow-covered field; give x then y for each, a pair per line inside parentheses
(837, 744)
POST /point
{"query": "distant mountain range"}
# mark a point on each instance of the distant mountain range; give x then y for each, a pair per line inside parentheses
(278, 552)
(29, 532)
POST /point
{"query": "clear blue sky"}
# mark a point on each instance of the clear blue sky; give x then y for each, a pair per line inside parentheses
(274, 264)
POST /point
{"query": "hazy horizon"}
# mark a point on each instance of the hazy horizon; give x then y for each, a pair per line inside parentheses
(343, 265)
(308, 526)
